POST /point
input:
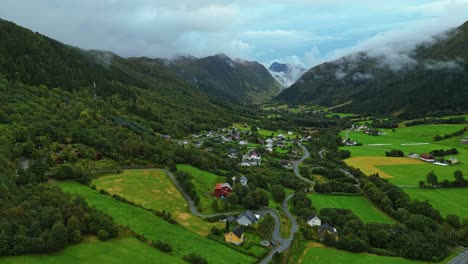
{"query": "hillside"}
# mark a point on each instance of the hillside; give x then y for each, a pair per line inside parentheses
(148, 90)
(236, 80)
(433, 79)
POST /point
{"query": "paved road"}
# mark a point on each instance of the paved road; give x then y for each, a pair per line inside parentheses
(460, 259)
(296, 166)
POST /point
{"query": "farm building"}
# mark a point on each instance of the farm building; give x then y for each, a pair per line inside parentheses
(222, 190)
(413, 155)
(247, 218)
(236, 236)
(464, 141)
(453, 160)
(326, 229)
(427, 157)
(313, 220)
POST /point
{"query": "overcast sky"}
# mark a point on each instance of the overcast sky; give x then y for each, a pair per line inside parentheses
(306, 31)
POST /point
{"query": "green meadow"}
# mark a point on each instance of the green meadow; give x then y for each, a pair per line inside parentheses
(118, 251)
(155, 190)
(358, 204)
(411, 174)
(446, 200)
(205, 183)
(330, 255)
(182, 240)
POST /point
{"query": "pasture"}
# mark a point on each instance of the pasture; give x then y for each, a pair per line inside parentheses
(358, 204)
(447, 201)
(404, 174)
(204, 185)
(119, 250)
(316, 253)
(182, 240)
(154, 190)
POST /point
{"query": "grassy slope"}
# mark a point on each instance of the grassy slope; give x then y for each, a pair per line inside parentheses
(358, 204)
(204, 184)
(120, 250)
(329, 255)
(447, 201)
(411, 174)
(153, 189)
(143, 222)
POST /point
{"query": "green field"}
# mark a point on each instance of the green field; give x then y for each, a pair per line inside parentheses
(330, 255)
(182, 240)
(447, 200)
(358, 204)
(411, 174)
(120, 250)
(204, 185)
(155, 190)
(408, 135)
(265, 132)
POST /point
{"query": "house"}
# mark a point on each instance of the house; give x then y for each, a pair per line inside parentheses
(326, 229)
(247, 218)
(269, 141)
(236, 236)
(413, 155)
(453, 160)
(261, 142)
(427, 157)
(243, 181)
(251, 159)
(313, 220)
(269, 147)
(464, 141)
(222, 190)
(232, 153)
(243, 142)
(230, 219)
(280, 137)
(350, 142)
(290, 133)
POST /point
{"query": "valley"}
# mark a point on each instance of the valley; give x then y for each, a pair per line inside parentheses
(212, 159)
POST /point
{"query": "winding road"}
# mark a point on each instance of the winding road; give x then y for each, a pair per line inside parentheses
(460, 259)
(281, 243)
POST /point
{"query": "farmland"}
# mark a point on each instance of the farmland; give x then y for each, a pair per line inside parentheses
(120, 250)
(204, 185)
(358, 204)
(152, 227)
(318, 254)
(404, 174)
(447, 201)
(154, 190)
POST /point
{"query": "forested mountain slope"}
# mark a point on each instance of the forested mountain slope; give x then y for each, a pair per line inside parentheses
(236, 80)
(432, 78)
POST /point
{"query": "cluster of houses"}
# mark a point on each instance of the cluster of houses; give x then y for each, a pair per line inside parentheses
(430, 158)
(252, 158)
(322, 229)
(236, 235)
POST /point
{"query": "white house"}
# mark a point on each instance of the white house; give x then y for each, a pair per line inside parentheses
(313, 220)
(413, 155)
(243, 142)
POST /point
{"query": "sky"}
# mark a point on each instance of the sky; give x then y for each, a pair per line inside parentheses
(307, 32)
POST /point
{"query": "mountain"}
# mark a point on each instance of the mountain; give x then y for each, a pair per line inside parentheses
(142, 87)
(431, 78)
(236, 80)
(286, 73)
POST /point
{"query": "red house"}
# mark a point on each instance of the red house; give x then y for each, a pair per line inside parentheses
(427, 157)
(222, 190)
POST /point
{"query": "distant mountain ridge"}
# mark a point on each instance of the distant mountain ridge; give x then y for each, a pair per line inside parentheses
(286, 73)
(237, 80)
(433, 77)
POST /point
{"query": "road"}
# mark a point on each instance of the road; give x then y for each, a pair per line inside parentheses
(296, 166)
(460, 259)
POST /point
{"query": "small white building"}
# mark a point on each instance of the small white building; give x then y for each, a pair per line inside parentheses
(243, 142)
(413, 155)
(313, 220)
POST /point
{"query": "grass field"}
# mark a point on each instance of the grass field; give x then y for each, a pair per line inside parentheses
(404, 174)
(447, 201)
(119, 250)
(265, 132)
(204, 184)
(182, 240)
(316, 254)
(370, 165)
(153, 189)
(358, 204)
